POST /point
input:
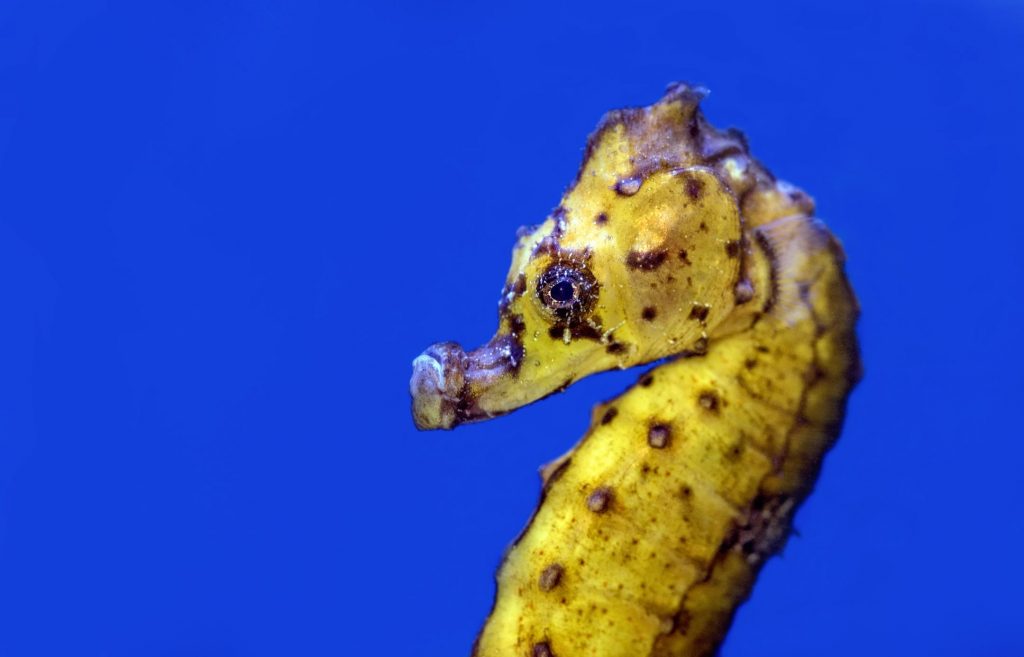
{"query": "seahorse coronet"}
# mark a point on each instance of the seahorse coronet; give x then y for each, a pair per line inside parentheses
(673, 244)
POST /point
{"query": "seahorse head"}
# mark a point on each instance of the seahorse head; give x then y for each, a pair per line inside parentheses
(640, 260)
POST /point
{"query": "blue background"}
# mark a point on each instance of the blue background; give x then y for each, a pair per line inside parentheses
(227, 228)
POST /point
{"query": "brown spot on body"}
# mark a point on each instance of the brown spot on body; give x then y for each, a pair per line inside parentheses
(658, 435)
(649, 313)
(516, 325)
(743, 292)
(694, 187)
(773, 270)
(583, 331)
(609, 415)
(708, 400)
(684, 256)
(700, 311)
(615, 348)
(542, 649)
(732, 248)
(601, 218)
(646, 260)
(600, 500)
(628, 186)
(550, 577)
(646, 380)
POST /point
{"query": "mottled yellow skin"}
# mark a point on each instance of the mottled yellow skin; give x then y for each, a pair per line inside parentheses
(661, 571)
(651, 530)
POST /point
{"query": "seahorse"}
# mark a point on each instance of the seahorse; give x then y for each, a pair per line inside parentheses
(673, 246)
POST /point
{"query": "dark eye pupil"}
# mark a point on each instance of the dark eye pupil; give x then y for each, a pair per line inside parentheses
(568, 292)
(562, 291)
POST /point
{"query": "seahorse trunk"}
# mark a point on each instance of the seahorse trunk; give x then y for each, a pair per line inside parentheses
(651, 532)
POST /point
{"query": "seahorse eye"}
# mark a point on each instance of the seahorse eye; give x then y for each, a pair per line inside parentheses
(567, 291)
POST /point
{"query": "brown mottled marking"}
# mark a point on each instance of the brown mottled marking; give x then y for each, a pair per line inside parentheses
(646, 260)
(511, 291)
(519, 286)
(694, 188)
(692, 127)
(814, 374)
(763, 531)
(550, 577)
(548, 246)
(682, 621)
(609, 415)
(646, 380)
(600, 499)
(542, 649)
(708, 400)
(658, 435)
(649, 313)
(732, 248)
(601, 218)
(516, 324)
(684, 256)
(773, 271)
(558, 214)
(615, 348)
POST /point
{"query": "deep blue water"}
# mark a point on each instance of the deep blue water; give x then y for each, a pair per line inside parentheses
(226, 228)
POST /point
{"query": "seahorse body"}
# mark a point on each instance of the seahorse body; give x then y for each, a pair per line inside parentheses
(673, 241)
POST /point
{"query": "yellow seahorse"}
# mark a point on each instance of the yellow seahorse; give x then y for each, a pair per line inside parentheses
(672, 242)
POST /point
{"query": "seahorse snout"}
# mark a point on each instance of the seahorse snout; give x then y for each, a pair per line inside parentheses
(438, 379)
